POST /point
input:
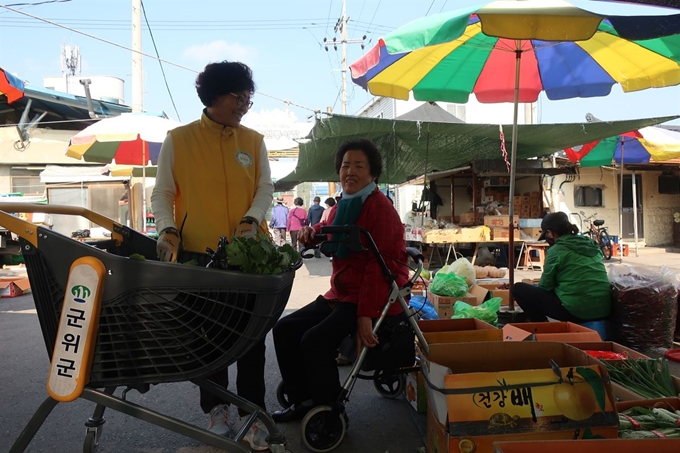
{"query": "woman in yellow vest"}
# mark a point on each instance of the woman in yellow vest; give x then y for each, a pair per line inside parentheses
(214, 180)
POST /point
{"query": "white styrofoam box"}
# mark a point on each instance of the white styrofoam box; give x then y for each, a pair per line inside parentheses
(530, 223)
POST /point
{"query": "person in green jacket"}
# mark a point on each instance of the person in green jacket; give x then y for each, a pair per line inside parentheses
(574, 286)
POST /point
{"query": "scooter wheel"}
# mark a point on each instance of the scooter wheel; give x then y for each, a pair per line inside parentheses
(324, 428)
(389, 384)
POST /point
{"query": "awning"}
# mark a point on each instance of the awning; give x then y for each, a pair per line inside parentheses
(413, 148)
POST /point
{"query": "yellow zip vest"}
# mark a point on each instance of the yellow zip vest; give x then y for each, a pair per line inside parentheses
(216, 172)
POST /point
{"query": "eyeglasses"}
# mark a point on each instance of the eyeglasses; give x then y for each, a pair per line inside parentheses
(242, 101)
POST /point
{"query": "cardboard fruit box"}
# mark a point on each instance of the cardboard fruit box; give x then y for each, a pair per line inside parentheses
(500, 221)
(444, 304)
(504, 294)
(608, 346)
(591, 446)
(14, 286)
(415, 391)
(566, 332)
(458, 331)
(481, 393)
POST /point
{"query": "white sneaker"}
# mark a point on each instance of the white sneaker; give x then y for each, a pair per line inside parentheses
(256, 435)
(219, 423)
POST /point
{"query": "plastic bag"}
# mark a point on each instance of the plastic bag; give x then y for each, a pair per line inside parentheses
(487, 312)
(462, 268)
(448, 284)
(424, 307)
(485, 257)
(644, 306)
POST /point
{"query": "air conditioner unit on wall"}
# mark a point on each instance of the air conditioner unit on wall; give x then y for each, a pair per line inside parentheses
(669, 184)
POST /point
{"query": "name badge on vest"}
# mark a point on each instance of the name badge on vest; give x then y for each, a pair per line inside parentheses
(244, 159)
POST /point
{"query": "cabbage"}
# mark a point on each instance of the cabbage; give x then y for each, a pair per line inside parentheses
(462, 268)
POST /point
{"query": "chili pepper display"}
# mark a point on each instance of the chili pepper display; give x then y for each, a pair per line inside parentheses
(607, 355)
(644, 306)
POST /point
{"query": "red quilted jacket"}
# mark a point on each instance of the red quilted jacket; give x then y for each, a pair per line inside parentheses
(359, 278)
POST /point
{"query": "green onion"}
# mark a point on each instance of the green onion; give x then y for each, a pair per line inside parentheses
(649, 378)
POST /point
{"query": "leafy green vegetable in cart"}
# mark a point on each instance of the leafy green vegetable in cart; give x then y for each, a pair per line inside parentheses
(260, 256)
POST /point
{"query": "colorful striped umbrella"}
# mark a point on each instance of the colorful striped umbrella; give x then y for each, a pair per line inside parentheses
(566, 48)
(11, 86)
(510, 51)
(649, 144)
(128, 139)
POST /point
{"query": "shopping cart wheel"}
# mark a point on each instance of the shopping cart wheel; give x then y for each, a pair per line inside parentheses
(324, 428)
(282, 396)
(91, 440)
(389, 383)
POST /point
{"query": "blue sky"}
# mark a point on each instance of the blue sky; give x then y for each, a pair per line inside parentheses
(280, 40)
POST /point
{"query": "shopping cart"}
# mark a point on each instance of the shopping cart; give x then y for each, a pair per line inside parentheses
(324, 427)
(151, 323)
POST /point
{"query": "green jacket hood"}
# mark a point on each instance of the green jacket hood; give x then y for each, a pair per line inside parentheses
(579, 244)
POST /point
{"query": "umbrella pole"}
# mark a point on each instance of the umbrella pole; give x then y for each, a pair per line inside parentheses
(635, 212)
(144, 185)
(513, 160)
(620, 244)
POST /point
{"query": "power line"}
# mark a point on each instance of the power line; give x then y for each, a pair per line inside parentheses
(374, 12)
(361, 10)
(328, 20)
(445, 2)
(428, 9)
(165, 79)
(196, 22)
(142, 53)
(94, 24)
(38, 3)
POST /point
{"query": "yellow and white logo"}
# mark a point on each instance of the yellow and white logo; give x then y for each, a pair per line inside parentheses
(245, 159)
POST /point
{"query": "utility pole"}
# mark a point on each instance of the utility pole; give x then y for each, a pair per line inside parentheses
(341, 25)
(137, 56)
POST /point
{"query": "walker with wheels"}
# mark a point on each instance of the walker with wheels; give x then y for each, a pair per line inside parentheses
(324, 427)
(109, 320)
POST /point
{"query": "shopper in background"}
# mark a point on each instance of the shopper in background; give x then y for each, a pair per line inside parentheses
(330, 202)
(279, 222)
(313, 217)
(297, 218)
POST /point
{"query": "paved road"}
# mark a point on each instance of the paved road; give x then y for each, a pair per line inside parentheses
(377, 424)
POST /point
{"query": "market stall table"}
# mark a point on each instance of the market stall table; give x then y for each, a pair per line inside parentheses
(450, 247)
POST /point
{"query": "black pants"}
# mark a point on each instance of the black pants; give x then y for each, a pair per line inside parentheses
(249, 380)
(306, 343)
(538, 303)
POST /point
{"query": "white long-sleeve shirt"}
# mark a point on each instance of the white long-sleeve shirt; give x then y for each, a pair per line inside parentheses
(165, 190)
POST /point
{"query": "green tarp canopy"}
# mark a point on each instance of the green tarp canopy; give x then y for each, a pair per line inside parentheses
(413, 148)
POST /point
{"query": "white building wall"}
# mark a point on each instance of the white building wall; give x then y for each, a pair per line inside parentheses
(657, 208)
(658, 211)
(561, 194)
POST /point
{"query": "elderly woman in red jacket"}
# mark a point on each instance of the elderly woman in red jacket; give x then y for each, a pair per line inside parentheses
(307, 340)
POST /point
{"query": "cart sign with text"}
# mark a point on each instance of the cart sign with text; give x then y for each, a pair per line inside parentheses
(76, 337)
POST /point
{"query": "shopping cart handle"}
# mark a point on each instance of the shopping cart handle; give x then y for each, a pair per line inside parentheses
(27, 230)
